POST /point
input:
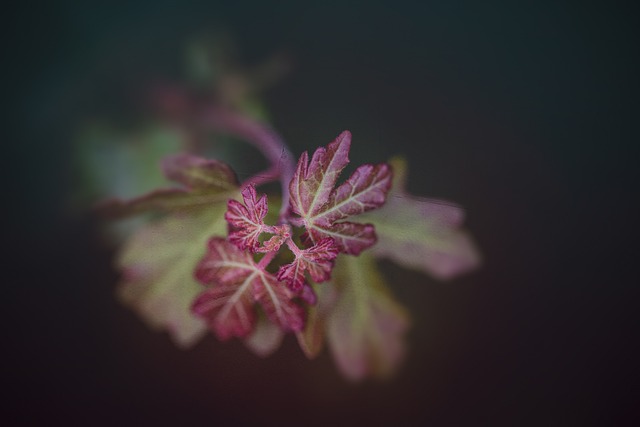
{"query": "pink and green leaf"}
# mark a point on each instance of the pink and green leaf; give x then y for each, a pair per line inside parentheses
(317, 260)
(366, 327)
(312, 183)
(202, 182)
(277, 301)
(158, 263)
(227, 308)
(422, 234)
(246, 222)
(319, 205)
(311, 339)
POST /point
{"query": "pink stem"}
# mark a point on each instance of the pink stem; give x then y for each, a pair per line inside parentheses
(264, 139)
(266, 259)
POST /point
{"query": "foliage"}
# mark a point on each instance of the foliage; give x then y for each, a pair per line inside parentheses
(219, 256)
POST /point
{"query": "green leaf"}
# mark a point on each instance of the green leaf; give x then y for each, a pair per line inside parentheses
(366, 327)
(158, 262)
(203, 182)
(311, 339)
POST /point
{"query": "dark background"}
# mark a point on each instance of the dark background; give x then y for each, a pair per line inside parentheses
(523, 112)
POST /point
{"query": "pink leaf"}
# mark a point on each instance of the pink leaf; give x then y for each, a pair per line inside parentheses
(312, 183)
(350, 237)
(227, 305)
(282, 233)
(319, 205)
(158, 263)
(275, 299)
(365, 190)
(236, 284)
(227, 308)
(317, 260)
(246, 221)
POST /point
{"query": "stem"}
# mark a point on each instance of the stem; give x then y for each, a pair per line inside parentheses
(293, 247)
(266, 259)
(264, 139)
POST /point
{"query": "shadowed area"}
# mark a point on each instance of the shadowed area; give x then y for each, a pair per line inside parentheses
(523, 114)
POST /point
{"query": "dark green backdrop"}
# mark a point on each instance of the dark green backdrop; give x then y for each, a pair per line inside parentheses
(524, 112)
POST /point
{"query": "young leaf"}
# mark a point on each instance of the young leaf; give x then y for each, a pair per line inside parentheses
(366, 326)
(317, 260)
(236, 283)
(314, 199)
(422, 234)
(276, 300)
(246, 223)
(157, 264)
(203, 182)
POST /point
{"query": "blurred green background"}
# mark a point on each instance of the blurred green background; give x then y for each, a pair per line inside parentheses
(525, 113)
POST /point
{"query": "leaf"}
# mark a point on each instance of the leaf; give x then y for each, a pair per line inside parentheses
(312, 184)
(420, 233)
(318, 260)
(246, 223)
(314, 199)
(276, 300)
(311, 338)
(236, 282)
(158, 263)
(227, 305)
(203, 182)
(366, 327)
(110, 162)
(265, 338)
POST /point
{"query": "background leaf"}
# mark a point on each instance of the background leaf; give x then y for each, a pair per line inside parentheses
(420, 233)
(365, 328)
(158, 263)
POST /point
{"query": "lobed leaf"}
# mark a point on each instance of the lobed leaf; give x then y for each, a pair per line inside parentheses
(314, 199)
(236, 283)
(312, 183)
(365, 328)
(276, 300)
(203, 182)
(422, 234)
(227, 308)
(158, 263)
(246, 222)
(365, 190)
(317, 260)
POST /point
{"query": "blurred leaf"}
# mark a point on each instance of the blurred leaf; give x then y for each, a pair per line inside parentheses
(204, 182)
(122, 164)
(420, 233)
(265, 338)
(158, 263)
(365, 329)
